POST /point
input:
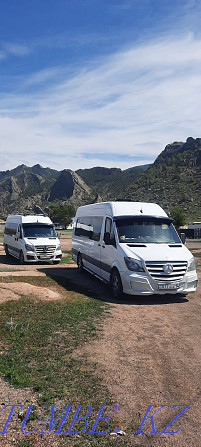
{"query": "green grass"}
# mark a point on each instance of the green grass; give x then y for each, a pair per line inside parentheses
(46, 332)
(8, 269)
(65, 232)
(193, 240)
(67, 257)
(197, 255)
(40, 339)
(24, 444)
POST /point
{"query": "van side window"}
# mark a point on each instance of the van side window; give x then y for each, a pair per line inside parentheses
(108, 225)
(109, 228)
(89, 227)
(97, 225)
(10, 229)
(20, 231)
(83, 227)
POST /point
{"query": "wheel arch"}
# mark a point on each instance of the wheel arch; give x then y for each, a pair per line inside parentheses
(116, 266)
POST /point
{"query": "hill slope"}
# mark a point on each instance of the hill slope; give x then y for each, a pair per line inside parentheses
(173, 179)
(29, 189)
(109, 183)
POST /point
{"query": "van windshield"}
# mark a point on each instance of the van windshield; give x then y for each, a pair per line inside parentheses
(146, 230)
(38, 230)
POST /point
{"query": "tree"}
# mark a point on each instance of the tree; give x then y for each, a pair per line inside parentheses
(61, 213)
(178, 216)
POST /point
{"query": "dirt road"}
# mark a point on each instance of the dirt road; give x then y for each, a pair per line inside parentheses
(149, 353)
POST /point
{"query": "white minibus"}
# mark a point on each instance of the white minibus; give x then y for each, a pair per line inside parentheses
(134, 247)
(31, 239)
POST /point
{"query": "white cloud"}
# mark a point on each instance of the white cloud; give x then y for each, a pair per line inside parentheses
(43, 76)
(16, 49)
(150, 93)
(2, 55)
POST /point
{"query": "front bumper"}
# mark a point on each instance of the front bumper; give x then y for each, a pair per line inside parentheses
(31, 256)
(142, 284)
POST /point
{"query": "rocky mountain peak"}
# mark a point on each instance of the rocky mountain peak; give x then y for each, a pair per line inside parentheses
(24, 188)
(192, 148)
(68, 186)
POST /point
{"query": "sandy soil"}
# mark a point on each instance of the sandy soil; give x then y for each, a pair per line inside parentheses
(22, 288)
(149, 353)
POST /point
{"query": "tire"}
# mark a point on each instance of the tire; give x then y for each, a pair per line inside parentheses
(116, 284)
(80, 263)
(56, 262)
(21, 258)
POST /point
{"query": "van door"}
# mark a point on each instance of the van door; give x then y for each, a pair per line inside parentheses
(11, 242)
(94, 246)
(19, 238)
(108, 249)
(17, 241)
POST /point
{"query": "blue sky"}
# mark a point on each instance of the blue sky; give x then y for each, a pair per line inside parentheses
(97, 82)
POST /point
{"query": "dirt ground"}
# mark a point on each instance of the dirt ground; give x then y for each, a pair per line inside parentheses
(149, 353)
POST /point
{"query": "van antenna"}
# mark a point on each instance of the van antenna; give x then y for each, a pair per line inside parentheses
(141, 210)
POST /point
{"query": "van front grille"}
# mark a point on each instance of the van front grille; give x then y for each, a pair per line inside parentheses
(158, 270)
(45, 251)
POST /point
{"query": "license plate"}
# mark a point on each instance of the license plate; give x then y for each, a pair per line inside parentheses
(167, 286)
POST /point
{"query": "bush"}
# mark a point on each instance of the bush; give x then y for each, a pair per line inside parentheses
(61, 213)
(178, 216)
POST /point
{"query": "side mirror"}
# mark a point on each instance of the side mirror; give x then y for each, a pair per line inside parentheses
(183, 238)
(17, 234)
(108, 240)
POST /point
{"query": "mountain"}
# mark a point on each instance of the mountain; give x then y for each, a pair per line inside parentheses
(110, 183)
(69, 186)
(29, 189)
(173, 179)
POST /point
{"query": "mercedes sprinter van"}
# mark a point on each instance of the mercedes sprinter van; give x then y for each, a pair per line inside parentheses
(31, 239)
(134, 247)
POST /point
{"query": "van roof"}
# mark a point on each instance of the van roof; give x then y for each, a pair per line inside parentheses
(17, 218)
(122, 209)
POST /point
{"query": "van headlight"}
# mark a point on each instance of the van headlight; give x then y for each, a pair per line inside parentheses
(134, 265)
(29, 247)
(191, 265)
(58, 247)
